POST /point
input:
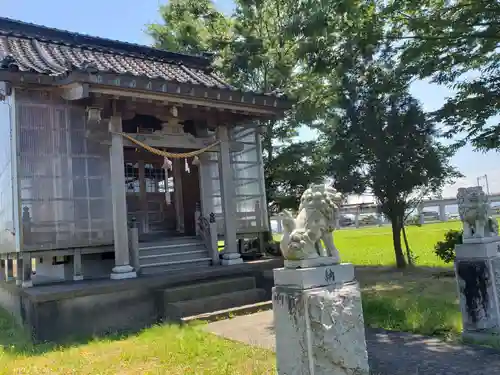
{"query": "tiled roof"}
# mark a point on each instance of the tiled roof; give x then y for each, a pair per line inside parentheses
(55, 53)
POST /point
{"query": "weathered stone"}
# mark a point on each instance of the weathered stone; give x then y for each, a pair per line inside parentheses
(477, 267)
(320, 331)
(309, 235)
(306, 278)
(474, 210)
(477, 295)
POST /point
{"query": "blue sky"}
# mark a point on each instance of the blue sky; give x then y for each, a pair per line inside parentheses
(125, 20)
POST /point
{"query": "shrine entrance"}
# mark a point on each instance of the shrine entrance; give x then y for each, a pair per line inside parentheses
(162, 202)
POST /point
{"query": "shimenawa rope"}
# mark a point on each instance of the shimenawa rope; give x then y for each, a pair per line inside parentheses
(166, 154)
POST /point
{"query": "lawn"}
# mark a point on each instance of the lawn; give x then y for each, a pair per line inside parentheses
(373, 245)
(167, 349)
(419, 300)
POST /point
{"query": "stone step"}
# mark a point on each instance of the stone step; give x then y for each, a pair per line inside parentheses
(230, 313)
(164, 249)
(177, 310)
(170, 241)
(207, 289)
(182, 255)
(152, 269)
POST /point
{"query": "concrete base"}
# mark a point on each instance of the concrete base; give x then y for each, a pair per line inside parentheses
(123, 272)
(308, 263)
(78, 278)
(229, 259)
(320, 331)
(477, 240)
(478, 250)
(97, 307)
(230, 262)
(123, 275)
(27, 284)
(477, 268)
(319, 325)
(306, 278)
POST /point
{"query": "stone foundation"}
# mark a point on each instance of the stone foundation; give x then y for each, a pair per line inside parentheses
(477, 268)
(320, 329)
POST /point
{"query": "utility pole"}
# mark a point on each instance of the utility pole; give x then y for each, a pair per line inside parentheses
(485, 177)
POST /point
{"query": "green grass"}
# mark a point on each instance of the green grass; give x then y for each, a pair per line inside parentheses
(414, 300)
(373, 246)
(167, 349)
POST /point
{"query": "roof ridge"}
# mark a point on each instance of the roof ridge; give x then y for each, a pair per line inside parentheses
(75, 39)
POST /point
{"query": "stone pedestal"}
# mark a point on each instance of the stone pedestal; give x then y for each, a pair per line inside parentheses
(318, 319)
(229, 259)
(477, 268)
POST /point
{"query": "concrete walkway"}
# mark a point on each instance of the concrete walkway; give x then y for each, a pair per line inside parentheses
(391, 353)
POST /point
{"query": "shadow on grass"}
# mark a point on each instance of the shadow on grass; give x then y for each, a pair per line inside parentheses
(16, 340)
(418, 315)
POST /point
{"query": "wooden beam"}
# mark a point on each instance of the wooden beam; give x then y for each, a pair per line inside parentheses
(260, 111)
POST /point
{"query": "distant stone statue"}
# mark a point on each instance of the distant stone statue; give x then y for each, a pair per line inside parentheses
(474, 211)
(310, 234)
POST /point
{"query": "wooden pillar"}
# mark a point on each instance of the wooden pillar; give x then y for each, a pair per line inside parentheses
(133, 237)
(77, 265)
(143, 200)
(227, 189)
(19, 269)
(9, 269)
(207, 206)
(177, 164)
(122, 269)
(27, 270)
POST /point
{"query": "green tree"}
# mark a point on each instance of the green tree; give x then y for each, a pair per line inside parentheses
(455, 43)
(377, 136)
(190, 26)
(254, 52)
(384, 142)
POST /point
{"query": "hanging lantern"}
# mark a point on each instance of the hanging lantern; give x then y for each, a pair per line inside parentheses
(196, 161)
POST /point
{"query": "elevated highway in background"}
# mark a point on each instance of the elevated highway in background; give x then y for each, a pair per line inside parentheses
(360, 211)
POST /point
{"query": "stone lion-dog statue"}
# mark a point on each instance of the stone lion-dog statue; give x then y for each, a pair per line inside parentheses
(474, 211)
(310, 234)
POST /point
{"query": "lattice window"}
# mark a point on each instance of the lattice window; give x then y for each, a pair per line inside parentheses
(62, 174)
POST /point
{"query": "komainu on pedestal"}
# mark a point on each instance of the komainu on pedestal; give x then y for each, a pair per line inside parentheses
(474, 210)
(310, 234)
(318, 315)
(477, 267)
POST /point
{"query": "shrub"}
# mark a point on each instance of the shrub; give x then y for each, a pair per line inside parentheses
(446, 249)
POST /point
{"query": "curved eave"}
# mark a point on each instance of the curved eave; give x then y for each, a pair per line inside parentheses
(159, 90)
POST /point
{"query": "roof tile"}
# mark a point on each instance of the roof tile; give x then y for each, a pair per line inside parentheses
(38, 53)
(54, 52)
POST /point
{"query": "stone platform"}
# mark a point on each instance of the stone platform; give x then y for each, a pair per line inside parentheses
(319, 321)
(73, 310)
(389, 353)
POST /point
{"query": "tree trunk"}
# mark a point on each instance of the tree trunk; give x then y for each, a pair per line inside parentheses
(396, 239)
(409, 256)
